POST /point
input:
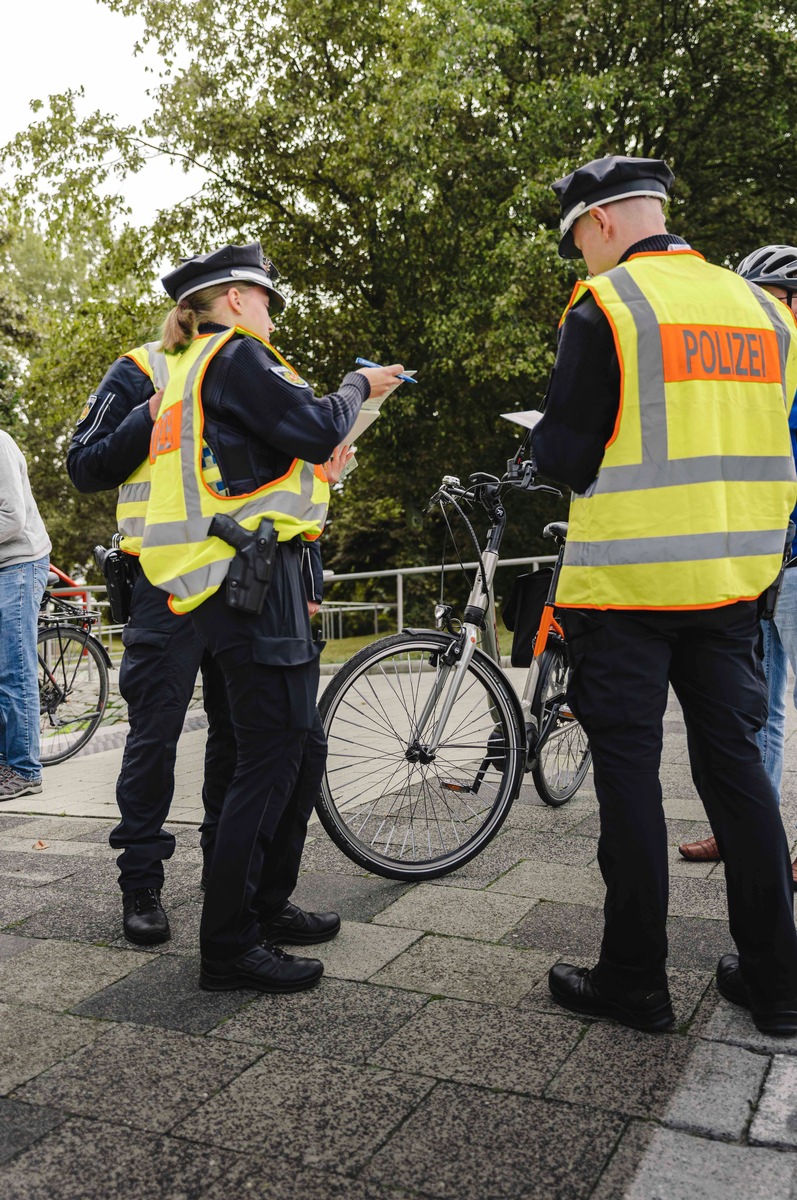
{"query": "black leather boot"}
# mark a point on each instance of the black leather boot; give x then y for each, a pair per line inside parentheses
(575, 989)
(292, 926)
(265, 968)
(145, 922)
(779, 1017)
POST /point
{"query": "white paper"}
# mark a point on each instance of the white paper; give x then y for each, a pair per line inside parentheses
(365, 418)
(529, 420)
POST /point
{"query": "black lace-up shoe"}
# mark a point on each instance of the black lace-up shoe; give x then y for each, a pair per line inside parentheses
(292, 926)
(779, 1018)
(265, 968)
(145, 922)
(574, 988)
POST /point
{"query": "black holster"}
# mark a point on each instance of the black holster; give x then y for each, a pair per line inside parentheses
(251, 569)
(119, 571)
(769, 600)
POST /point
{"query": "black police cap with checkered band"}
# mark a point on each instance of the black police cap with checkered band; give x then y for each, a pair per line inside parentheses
(603, 181)
(228, 264)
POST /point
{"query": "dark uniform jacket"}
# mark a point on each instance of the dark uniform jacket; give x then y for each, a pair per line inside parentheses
(254, 443)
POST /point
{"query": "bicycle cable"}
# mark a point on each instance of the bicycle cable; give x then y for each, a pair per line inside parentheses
(475, 541)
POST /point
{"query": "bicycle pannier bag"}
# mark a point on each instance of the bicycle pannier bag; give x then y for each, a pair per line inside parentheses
(522, 611)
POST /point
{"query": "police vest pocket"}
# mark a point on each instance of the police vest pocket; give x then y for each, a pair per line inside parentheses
(145, 637)
(284, 652)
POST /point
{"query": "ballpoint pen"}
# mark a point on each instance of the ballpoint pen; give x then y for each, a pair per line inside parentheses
(364, 362)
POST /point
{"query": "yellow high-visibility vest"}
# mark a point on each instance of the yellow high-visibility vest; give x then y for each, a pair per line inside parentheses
(691, 503)
(131, 507)
(177, 553)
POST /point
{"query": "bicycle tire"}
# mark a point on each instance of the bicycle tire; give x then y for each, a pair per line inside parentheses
(406, 819)
(73, 691)
(563, 758)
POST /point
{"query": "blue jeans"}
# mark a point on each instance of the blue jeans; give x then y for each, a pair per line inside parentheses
(21, 589)
(780, 649)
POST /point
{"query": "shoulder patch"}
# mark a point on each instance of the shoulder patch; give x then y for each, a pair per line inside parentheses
(87, 407)
(290, 376)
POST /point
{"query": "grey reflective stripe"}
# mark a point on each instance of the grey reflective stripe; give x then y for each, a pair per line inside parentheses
(770, 307)
(159, 365)
(713, 468)
(290, 504)
(132, 526)
(650, 366)
(133, 493)
(193, 583)
(685, 547)
(198, 524)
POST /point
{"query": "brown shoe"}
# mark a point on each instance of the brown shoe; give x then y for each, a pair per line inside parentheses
(705, 851)
(794, 873)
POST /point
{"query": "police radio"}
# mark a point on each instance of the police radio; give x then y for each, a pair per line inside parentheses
(250, 572)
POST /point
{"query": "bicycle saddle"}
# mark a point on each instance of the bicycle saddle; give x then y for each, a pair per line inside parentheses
(52, 579)
(556, 529)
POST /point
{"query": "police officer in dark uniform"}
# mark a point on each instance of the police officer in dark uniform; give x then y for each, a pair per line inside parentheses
(265, 429)
(160, 664)
(667, 414)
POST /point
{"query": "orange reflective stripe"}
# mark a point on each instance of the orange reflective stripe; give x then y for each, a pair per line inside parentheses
(719, 352)
(166, 432)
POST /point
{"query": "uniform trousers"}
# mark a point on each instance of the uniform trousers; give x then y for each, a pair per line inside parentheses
(271, 672)
(622, 663)
(161, 660)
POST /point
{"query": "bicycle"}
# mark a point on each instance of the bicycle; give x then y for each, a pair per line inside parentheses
(73, 677)
(428, 740)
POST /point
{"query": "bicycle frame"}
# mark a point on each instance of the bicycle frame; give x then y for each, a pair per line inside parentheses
(479, 623)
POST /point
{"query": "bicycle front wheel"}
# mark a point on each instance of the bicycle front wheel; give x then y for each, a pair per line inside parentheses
(563, 755)
(73, 691)
(388, 800)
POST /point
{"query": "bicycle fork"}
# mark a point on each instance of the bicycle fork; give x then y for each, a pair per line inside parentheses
(456, 659)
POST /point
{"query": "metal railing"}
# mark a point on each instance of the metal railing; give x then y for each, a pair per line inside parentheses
(401, 573)
(333, 612)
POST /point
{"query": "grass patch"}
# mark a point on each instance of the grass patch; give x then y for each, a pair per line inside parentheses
(340, 650)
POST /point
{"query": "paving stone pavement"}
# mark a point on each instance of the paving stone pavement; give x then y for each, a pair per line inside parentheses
(430, 1062)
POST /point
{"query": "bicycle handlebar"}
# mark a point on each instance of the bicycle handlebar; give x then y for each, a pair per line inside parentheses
(488, 489)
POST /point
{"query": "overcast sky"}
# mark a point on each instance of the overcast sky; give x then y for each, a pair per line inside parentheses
(80, 42)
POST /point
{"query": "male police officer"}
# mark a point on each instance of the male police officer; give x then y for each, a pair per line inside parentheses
(667, 414)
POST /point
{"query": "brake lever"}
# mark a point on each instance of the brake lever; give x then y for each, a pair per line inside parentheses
(544, 487)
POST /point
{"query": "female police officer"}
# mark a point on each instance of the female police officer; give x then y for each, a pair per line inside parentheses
(230, 390)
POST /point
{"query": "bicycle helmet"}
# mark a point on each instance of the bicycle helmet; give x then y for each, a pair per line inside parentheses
(775, 265)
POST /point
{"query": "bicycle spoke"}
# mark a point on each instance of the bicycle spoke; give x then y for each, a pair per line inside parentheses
(385, 791)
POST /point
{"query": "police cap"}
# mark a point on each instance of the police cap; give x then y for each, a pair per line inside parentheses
(603, 181)
(229, 264)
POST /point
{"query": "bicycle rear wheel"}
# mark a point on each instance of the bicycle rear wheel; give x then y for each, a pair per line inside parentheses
(73, 691)
(393, 806)
(563, 757)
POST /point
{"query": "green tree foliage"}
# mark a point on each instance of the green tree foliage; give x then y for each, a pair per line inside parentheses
(395, 160)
